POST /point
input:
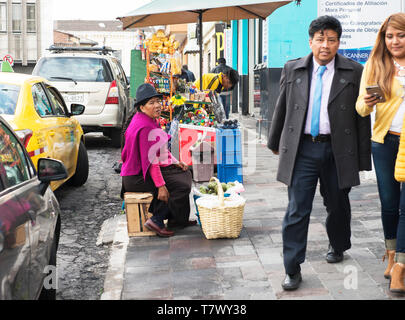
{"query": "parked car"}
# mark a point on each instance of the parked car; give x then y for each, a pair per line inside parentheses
(37, 112)
(29, 220)
(95, 78)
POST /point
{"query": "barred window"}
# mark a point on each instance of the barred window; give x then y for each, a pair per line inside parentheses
(31, 21)
(3, 17)
(17, 16)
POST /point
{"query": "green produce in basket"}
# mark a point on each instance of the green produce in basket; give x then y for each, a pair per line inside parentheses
(224, 186)
(216, 189)
(204, 189)
(212, 185)
(230, 184)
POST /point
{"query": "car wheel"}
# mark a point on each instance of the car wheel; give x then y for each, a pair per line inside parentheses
(82, 167)
(116, 137)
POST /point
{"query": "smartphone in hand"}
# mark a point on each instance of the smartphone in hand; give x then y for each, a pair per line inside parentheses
(377, 92)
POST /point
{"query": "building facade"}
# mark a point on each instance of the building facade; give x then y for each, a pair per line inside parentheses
(25, 31)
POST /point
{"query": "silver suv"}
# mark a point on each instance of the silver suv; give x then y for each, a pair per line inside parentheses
(94, 78)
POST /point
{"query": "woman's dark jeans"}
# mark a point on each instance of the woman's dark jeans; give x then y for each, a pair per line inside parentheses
(391, 192)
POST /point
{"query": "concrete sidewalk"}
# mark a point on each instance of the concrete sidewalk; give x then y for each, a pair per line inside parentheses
(188, 266)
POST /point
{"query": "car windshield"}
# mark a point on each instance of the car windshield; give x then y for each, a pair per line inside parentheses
(8, 98)
(74, 69)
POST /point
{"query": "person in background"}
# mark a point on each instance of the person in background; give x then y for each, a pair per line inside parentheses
(386, 68)
(218, 82)
(148, 165)
(184, 75)
(225, 95)
(319, 136)
(190, 74)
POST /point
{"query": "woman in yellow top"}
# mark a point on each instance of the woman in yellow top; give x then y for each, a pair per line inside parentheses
(386, 68)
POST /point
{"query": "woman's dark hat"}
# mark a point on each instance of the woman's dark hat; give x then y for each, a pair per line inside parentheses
(145, 92)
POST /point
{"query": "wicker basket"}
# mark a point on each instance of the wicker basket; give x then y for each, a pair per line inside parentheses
(223, 221)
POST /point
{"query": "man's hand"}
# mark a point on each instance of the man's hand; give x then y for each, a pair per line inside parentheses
(163, 194)
(275, 152)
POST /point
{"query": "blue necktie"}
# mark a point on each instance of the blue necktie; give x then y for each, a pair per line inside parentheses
(316, 106)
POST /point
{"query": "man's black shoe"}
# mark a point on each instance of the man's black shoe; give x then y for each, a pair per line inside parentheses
(334, 256)
(292, 282)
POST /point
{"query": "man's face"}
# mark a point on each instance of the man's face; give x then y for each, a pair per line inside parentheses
(324, 46)
(226, 83)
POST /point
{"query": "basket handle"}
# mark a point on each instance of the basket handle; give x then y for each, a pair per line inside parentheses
(220, 191)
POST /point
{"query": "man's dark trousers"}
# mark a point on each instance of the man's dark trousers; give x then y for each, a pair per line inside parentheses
(226, 102)
(314, 161)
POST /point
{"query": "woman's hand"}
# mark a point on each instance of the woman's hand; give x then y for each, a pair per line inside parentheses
(371, 100)
(163, 194)
(182, 165)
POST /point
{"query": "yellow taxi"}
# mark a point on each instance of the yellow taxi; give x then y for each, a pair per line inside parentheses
(37, 112)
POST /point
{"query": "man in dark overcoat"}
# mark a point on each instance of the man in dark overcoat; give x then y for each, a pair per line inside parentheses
(318, 135)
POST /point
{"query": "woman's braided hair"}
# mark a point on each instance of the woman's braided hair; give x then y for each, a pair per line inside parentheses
(137, 108)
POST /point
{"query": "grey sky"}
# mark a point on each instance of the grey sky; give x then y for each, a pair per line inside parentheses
(94, 10)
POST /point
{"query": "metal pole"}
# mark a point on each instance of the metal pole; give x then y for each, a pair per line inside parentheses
(200, 40)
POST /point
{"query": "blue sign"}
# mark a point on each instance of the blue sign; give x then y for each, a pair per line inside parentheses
(360, 54)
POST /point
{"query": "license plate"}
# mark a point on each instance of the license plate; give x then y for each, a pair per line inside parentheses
(73, 97)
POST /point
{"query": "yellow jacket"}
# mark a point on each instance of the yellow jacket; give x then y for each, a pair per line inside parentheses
(207, 79)
(400, 161)
(385, 111)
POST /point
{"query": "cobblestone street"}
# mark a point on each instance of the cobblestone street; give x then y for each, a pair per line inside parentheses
(81, 264)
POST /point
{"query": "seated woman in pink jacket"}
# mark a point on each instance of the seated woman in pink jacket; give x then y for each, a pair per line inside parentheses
(148, 165)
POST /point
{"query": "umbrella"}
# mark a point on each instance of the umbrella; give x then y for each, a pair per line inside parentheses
(165, 12)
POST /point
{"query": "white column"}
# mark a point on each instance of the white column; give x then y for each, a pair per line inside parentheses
(251, 64)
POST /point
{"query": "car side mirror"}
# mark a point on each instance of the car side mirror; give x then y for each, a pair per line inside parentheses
(76, 109)
(51, 170)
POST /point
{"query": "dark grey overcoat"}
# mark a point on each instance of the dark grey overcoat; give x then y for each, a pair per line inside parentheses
(350, 133)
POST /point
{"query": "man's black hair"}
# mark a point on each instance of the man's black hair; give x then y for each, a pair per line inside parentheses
(233, 76)
(325, 22)
(185, 67)
(221, 61)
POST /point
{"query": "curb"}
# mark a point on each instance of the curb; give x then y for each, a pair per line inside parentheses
(114, 280)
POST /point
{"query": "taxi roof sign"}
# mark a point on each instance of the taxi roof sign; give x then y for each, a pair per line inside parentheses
(6, 67)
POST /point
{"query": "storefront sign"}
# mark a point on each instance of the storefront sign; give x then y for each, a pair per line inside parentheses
(219, 42)
(361, 21)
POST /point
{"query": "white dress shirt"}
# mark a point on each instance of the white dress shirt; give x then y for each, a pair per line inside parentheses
(324, 125)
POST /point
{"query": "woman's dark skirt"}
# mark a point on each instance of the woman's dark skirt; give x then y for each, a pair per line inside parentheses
(178, 183)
